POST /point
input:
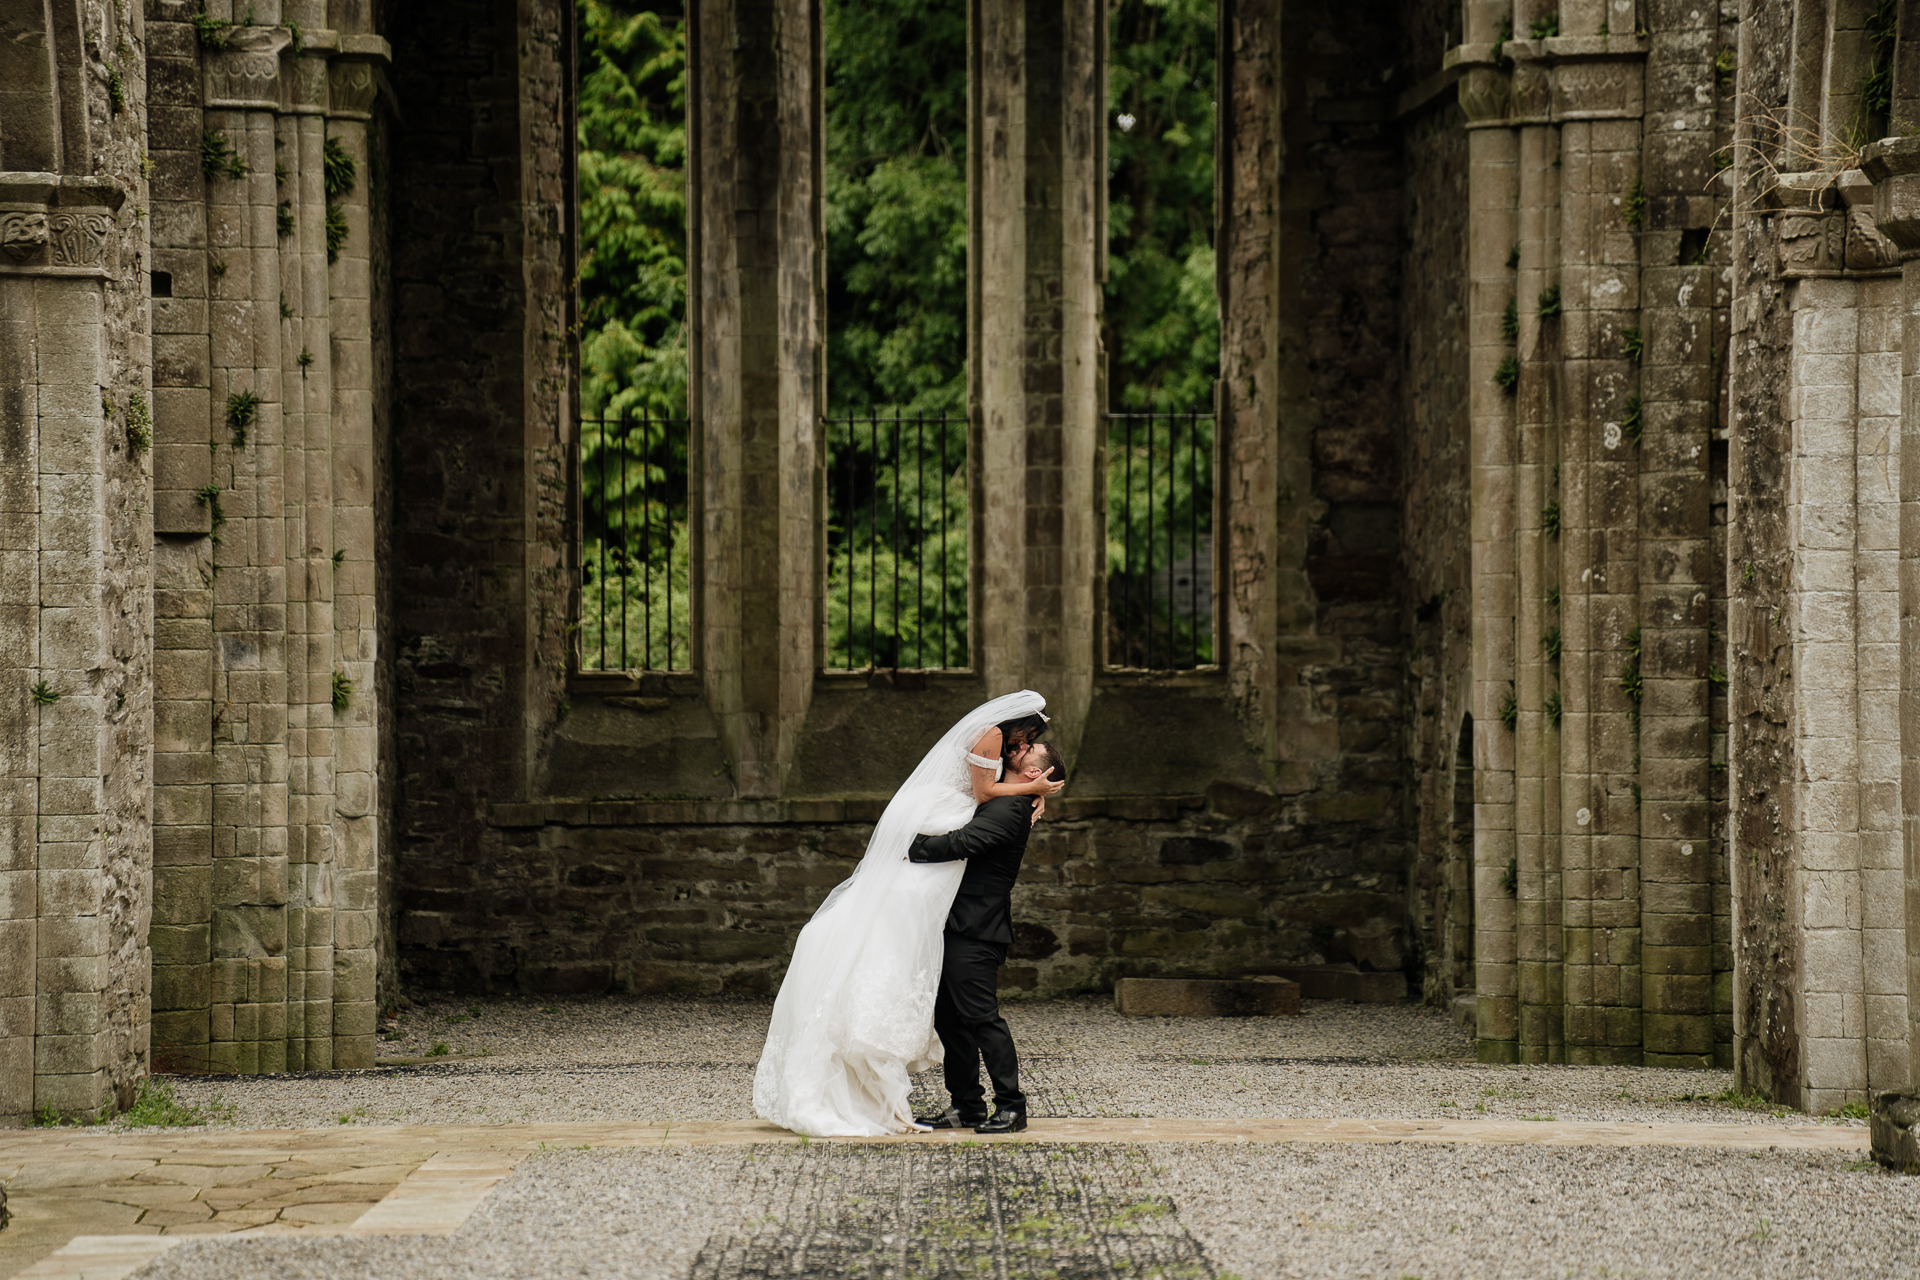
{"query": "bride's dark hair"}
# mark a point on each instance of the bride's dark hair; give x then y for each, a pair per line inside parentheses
(1022, 731)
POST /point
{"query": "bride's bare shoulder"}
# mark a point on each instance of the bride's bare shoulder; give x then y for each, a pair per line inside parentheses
(988, 744)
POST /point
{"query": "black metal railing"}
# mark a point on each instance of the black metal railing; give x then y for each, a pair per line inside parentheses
(1160, 540)
(896, 540)
(634, 543)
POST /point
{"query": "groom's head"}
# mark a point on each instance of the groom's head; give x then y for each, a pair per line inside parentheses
(1041, 760)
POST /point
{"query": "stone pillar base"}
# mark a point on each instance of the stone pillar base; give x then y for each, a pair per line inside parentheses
(1896, 1130)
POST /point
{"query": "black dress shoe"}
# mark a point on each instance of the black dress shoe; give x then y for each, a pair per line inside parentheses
(1005, 1120)
(951, 1118)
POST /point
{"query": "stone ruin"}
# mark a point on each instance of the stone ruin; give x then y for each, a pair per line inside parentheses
(1563, 572)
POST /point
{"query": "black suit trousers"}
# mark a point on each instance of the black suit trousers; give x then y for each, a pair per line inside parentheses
(966, 1015)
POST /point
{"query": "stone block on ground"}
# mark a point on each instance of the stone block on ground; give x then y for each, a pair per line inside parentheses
(1206, 997)
(1895, 1130)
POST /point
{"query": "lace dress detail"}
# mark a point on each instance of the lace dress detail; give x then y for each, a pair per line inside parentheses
(854, 1017)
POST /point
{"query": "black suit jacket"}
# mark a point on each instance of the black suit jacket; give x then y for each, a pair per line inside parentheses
(993, 844)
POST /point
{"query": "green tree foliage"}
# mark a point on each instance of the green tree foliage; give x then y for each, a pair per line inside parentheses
(896, 205)
(1163, 326)
(633, 208)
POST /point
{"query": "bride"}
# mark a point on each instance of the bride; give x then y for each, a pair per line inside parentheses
(855, 1014)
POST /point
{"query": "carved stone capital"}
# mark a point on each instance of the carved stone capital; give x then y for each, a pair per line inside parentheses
(22, 233)
(1485, 96)
(1867, 249)
(1532, 93)
(1894, 167)
(247, 75)
(79, 237)
(306, 84)
(1813, 244)
(354, 87)
(59, 226)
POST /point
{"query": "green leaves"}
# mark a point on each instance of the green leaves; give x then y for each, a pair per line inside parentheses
(633, 211)
(139, 424)
(896, 197)
(1163, 321)
(1507, 374)
(339, 167)
(242, 408)
(336, 231)
(217, 156)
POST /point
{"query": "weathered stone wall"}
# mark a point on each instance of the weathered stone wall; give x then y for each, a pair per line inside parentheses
(480, 397)
(1176, 859)
(709, 897)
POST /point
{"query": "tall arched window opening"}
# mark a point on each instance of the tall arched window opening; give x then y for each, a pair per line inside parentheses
(1162, 334)
(632, 467)
(896, 366)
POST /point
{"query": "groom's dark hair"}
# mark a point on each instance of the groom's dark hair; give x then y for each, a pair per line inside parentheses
(1056, 767)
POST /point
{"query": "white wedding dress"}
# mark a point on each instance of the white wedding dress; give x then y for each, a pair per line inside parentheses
(855, 1013)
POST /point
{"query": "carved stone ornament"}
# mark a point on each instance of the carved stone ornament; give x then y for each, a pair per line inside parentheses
(354, 87)
(1532, 91)
(1485, 95)
(22, 234)
(247, 75)
(80, 239)
(1867, 249)
(307, 85)
(1812, 245)
(1598, 90)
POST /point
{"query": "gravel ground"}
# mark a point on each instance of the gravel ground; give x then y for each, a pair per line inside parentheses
(519, 1061)
(1106, 1213)
(1495, 1212)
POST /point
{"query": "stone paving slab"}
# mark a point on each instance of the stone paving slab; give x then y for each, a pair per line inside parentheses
(433, 1199)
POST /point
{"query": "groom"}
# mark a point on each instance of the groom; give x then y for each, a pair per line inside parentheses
(966, 1013)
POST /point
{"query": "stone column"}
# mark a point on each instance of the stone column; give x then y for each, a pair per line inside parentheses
(306, 368)
(1254, 577)
(55, 873)
(250, 597)
(1676, 862)
(1894, 167)
(1493, 184)
(1036, 353)
(358, 798)
(756, 372)
(1534, 874)
(1597, 89)
(183, 567)
(1677, 575)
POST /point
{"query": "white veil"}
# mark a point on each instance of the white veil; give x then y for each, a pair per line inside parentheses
(855, 1012)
